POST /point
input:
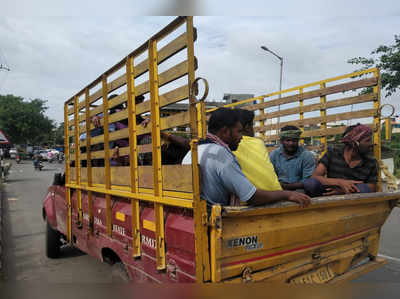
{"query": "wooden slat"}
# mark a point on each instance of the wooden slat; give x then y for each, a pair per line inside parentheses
(316, 93)
(175, 177)
(170, 97)
(315, 133)
(164, 53)
(177, 120)
(315, 107)
(307, 147)
(143, 148)
(318, 120)
(164, 78)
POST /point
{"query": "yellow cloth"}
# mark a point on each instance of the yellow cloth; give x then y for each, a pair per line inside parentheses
(254, 160)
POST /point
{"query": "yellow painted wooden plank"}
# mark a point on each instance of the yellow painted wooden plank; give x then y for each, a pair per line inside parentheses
(316, 120)
(149, 225)
(318, 106)
(167, 51)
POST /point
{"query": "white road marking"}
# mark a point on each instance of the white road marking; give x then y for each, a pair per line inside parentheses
(390, 257)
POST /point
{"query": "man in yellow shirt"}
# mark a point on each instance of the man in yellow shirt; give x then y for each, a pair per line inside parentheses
(253, 156)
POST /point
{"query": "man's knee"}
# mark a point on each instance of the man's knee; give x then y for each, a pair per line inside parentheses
(364, 188)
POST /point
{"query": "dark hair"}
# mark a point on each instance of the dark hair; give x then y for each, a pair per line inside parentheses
(139, 99)
(246, 117)
(223, 117)
(349, 128)
(289, 128)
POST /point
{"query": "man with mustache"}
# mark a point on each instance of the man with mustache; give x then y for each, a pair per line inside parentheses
(346, 169)
(293, 164)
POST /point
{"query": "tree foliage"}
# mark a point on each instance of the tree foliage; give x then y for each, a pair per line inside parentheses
(24, 122)
(387, 59)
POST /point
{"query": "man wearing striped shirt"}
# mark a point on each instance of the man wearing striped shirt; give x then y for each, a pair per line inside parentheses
(346, 169)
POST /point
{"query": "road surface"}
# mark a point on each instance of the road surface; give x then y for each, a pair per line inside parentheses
(25, 255)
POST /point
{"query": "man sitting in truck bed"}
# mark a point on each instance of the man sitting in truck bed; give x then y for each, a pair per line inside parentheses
(347, 169)
(253, 156)
(221, 175)
(293, 163)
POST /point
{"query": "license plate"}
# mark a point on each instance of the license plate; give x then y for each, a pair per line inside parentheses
(320, 275)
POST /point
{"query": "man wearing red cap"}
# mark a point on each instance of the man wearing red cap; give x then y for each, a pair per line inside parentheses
(346, 169)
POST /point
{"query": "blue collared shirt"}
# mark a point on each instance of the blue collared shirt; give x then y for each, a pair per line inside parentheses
(221, 175)
(293, 169)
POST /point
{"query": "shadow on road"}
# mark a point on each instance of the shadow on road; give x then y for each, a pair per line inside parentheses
(22, 180)
(68, 252)
(49, 169)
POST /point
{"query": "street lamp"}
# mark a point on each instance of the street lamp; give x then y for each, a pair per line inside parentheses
(281, 59)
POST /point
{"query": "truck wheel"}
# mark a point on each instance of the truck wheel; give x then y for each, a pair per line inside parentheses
(53, 242)
(119, 273)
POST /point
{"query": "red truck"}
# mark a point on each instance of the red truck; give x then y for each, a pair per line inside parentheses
(149, 221)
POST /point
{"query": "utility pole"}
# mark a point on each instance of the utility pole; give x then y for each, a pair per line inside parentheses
(281, 60)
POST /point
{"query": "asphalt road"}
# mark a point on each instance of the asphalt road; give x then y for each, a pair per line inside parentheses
(25, 258)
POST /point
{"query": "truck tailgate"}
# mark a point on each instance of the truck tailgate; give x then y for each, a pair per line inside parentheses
(284, 242)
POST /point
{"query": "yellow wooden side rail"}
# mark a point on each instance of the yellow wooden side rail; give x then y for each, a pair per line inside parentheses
(269, 113)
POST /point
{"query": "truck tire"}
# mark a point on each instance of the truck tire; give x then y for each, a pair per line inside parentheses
(53, 242)
(119, 273)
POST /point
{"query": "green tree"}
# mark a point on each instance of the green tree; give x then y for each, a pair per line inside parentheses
(59, 134)
(387, 59)
(24, 122)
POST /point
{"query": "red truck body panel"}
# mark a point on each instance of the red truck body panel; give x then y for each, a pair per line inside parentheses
(179, 235)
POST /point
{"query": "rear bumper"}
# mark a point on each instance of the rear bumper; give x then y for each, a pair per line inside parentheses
(360, 270)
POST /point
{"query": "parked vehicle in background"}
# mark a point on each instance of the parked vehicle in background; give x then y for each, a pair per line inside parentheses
(13, 153)
(29, 151)
(44, 154)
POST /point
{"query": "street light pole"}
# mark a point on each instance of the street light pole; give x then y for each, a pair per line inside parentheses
(281, 72)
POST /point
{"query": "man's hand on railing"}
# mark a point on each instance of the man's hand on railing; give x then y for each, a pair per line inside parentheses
(348, 186)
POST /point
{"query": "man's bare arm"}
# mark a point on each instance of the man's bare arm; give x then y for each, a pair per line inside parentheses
(347, 186)
(292, 186)
(262, 197)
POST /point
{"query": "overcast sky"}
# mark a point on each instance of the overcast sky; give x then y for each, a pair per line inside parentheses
(53, 49)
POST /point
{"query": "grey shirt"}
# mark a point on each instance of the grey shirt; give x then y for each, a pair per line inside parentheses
(221, 175)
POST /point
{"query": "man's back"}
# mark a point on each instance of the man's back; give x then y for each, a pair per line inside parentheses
(254, 161)
(221, 175)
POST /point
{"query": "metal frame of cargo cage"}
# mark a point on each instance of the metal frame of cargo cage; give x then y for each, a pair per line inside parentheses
(156, 195)
(321, 91)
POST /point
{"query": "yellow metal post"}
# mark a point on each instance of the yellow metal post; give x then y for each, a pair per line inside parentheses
(377, 125)
(89, 162)
(301, 102)
(262, 122)
(200, 221)
(323, 114)
(156, 153)
(77, 160)
(215, 243)
(197, 122)
(191, 77)
(387, 129)
(133, 157)
(67, 173)
(107, 155)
